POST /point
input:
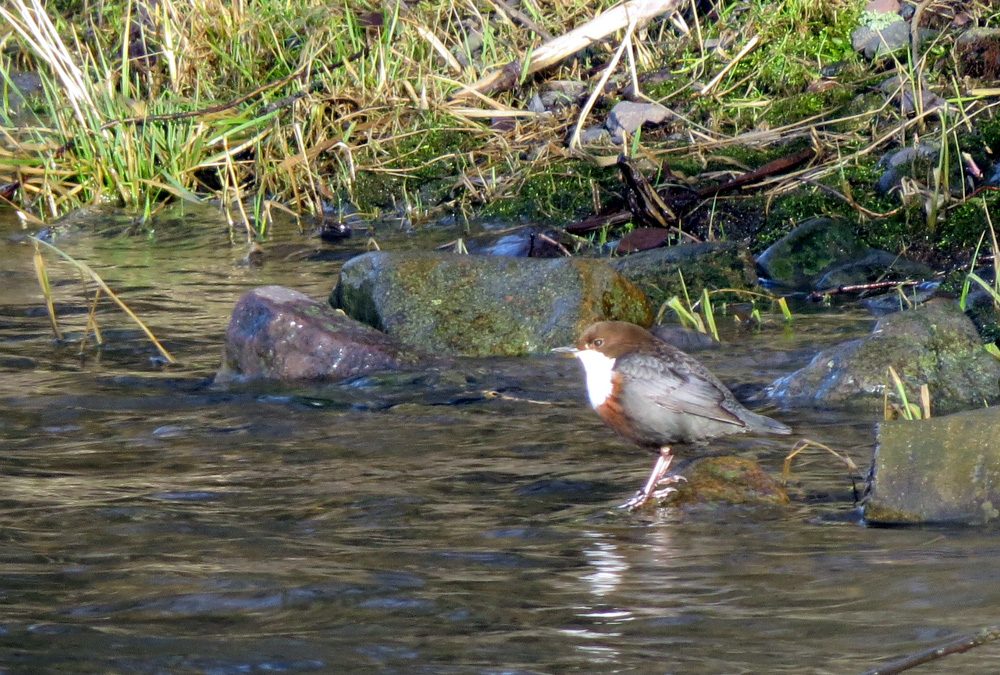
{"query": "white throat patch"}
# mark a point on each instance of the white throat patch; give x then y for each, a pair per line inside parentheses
(598, 368)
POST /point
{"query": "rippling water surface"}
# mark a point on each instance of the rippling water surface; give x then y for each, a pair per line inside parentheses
(407, 523)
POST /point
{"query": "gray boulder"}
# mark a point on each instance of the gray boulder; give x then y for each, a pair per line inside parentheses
(276, 333)
(942, 469)
(934, 344)
(875, 265)
(484, 305)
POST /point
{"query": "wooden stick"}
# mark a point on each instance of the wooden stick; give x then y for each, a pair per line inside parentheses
(554, 51)
(956, 646)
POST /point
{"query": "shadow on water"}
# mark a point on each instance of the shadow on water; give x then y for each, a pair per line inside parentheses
(409, 522)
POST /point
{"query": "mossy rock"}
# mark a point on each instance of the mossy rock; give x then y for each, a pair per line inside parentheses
(728, 480)
(484, 305)
(658, 272)
(934, 344)
(815, 245)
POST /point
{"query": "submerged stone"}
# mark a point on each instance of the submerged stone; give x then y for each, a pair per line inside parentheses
(934, 344)
(938, 470)
(484, 305)
(276, 333)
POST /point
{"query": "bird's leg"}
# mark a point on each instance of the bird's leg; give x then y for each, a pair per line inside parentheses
(657, 477)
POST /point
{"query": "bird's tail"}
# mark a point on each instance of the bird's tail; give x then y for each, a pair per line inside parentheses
(765, 424)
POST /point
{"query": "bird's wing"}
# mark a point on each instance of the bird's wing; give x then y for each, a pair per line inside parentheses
(683, 386)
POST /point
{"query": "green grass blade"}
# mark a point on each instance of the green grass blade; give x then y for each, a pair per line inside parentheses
(709, 313)
(910, 411)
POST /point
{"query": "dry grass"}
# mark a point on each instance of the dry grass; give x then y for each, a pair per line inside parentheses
(312, 104)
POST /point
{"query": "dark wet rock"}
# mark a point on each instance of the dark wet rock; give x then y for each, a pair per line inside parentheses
(939, 470)
(334, 230)
(978, 51)
(704, 265)
(530, 241)
(903, 93)
(994, 178)
(627, 117)
(934, 344)
(484, 305)
(907, 297)
(19, 91)
(277, 333)
(982, 309)
(886, 34)
(684, 339)
(810, 249)
(904, 162)
(873, 266)
(728, 480)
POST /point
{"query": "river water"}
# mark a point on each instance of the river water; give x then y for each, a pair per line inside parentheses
(152, 523)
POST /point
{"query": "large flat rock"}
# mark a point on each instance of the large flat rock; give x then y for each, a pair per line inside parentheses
(938, 470)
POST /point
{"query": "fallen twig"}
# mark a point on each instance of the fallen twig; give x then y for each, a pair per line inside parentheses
(804, 444)
(861, 288)
(552, 52)
(955, 646)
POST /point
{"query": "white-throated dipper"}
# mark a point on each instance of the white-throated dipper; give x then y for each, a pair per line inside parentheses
(655, 395)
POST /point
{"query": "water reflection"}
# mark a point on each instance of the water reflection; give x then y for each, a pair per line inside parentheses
(152, 523)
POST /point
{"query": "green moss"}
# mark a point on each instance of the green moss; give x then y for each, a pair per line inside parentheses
(800, 106)
(557, 192)
(797, 38)
(729, 480)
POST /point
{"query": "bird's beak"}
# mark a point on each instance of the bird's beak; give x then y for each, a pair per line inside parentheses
(566, 350)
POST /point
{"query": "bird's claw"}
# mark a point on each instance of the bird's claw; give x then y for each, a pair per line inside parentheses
(641, 497)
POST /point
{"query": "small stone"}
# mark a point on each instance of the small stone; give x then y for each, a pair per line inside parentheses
(595, 135)
(876, 42)
(627, 117)
(535, 105)
(882, 6)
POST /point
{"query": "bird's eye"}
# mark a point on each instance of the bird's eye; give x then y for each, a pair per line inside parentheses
(598, 342)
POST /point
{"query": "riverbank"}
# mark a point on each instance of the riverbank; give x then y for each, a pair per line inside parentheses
(765, 115)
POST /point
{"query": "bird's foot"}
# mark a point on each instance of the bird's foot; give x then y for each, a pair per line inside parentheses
(642, 497)
(636, 502)
(659, 477)
(668, 483)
